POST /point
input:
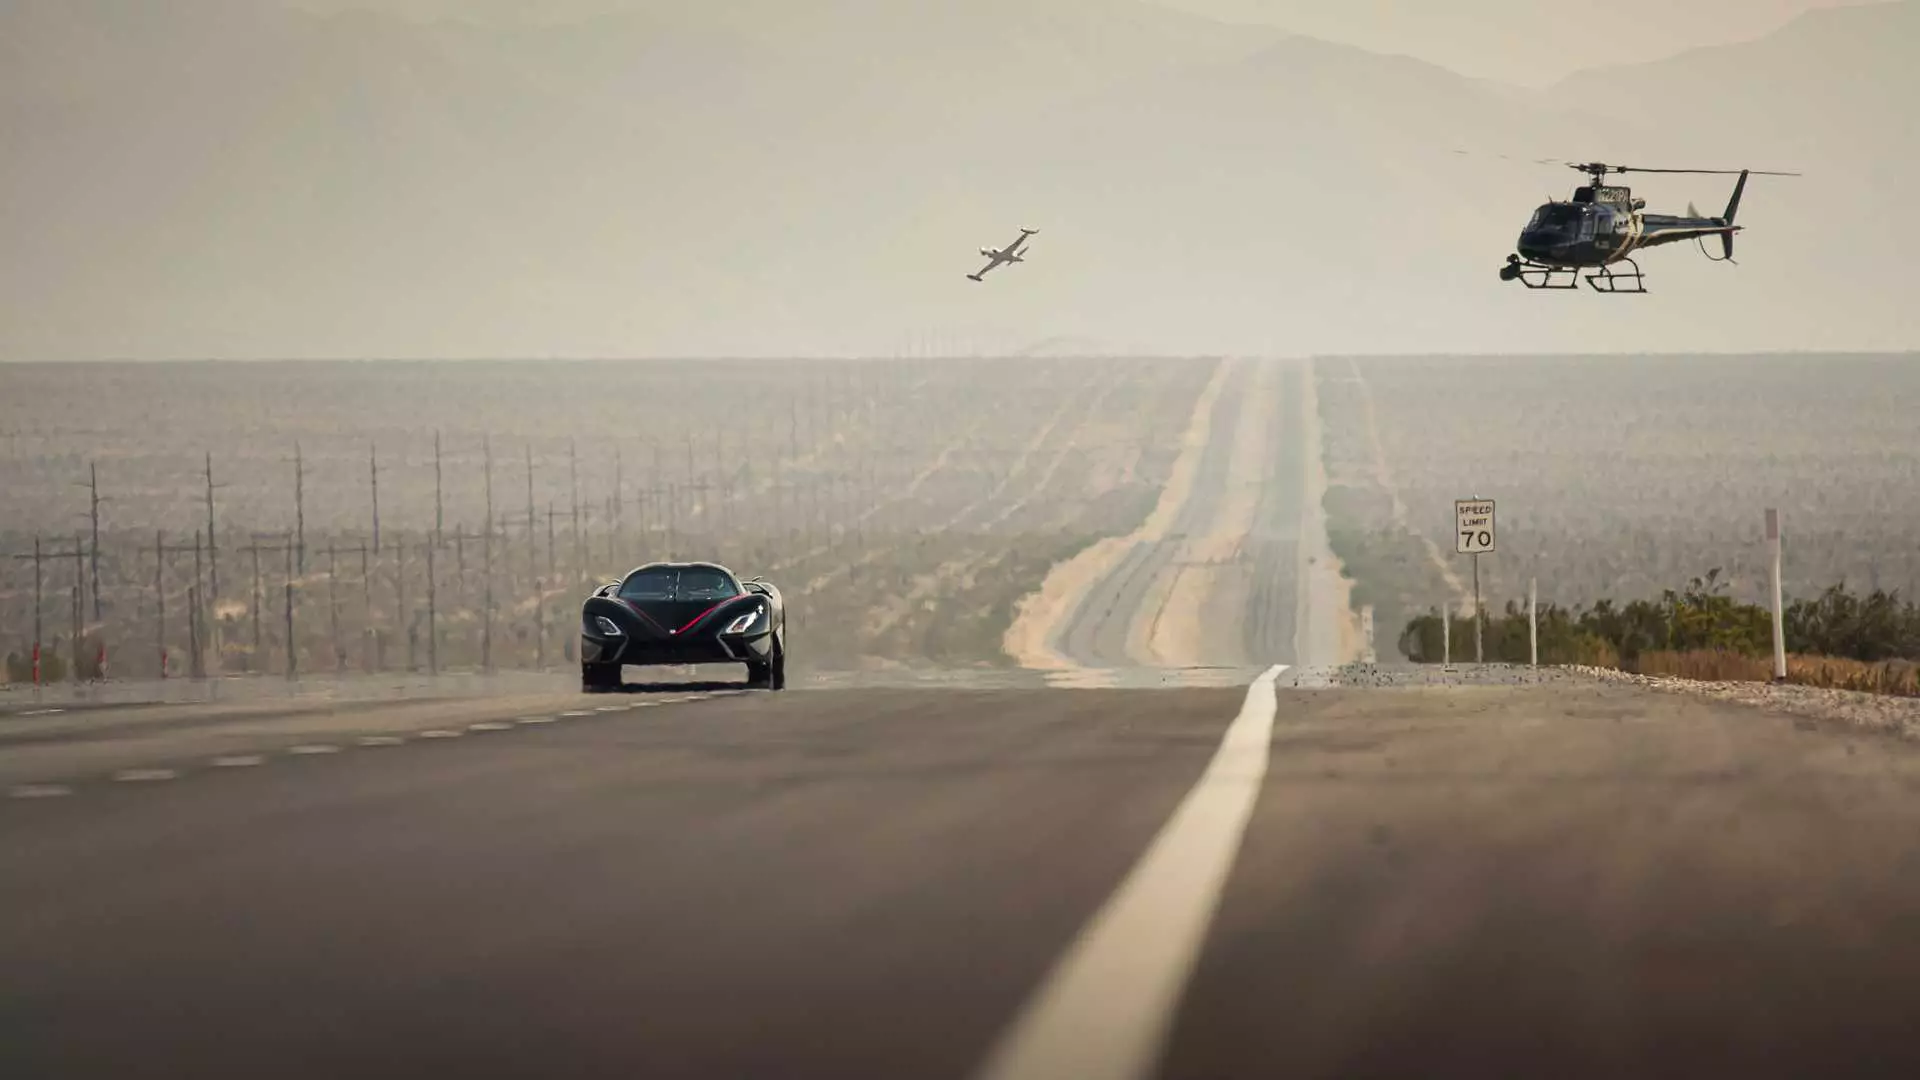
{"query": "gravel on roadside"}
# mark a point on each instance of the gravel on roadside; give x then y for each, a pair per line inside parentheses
(1875, 712)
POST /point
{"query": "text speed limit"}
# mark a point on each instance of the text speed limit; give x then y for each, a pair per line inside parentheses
(1473, 527)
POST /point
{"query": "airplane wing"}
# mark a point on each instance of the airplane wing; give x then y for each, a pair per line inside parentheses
(991, 263)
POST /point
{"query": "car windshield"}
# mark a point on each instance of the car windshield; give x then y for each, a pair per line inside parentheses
(667, 583)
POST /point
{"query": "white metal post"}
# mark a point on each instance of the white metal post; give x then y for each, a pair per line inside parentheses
(1533, 623)
(1479, 655)
(1779, 618)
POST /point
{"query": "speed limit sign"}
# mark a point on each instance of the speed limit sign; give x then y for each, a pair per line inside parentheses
(1473, 526)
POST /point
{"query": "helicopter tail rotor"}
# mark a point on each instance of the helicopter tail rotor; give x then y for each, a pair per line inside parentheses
(1733, 208)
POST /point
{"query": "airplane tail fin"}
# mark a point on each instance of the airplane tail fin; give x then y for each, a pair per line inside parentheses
(1733, 208)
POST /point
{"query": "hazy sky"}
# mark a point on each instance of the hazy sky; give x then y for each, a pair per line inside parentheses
(775, 177)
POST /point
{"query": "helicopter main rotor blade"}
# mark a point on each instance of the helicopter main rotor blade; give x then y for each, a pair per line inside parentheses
(1597, 167)
(1712, 172)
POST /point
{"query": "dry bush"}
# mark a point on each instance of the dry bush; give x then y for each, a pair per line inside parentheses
(1896, 677)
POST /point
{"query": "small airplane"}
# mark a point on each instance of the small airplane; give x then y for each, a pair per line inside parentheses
(1012, 253)
(1603, 226)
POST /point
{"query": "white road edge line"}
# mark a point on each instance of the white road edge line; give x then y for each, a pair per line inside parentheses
(1105, 1010)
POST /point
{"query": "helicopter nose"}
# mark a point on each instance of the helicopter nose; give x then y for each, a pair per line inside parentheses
(1535, 243)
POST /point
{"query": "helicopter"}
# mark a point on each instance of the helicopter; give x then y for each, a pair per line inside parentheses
(1603, 226)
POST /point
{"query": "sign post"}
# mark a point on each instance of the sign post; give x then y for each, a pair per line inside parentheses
(1779, 620)
(1473, 535)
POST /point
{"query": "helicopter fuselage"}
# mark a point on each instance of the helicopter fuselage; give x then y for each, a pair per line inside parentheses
(1603, 225)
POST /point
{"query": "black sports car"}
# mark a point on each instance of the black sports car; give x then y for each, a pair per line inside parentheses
(683, 613)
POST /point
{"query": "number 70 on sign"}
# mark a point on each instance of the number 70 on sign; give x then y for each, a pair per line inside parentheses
(1473, 527)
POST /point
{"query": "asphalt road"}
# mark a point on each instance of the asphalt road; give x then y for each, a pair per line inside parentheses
(1563, 880)
(1252, 602)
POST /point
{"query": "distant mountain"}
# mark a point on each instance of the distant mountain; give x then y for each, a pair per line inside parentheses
(1533, 42)
(238, 179)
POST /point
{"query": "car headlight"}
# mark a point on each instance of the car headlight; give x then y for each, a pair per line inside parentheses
(746, 623)
(600, 624)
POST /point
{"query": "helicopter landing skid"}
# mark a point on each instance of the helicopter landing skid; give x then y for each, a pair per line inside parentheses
(1606, 280)
(1539, 275)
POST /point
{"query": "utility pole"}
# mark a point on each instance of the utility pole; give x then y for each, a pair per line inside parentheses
(373, 476)
(259, 599)
(573, 482)
(197, 664)
(369, 643)
(433, 617)
(293, 667)
(553, 565)
(401, 614)
(333, 605)
(532, 521)
(439, 505)
(300, 505)
(93, 511)
(618, 509)
(213, 544)
(486, 621)
(79, 590)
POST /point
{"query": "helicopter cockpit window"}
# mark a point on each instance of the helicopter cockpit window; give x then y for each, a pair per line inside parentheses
(1554, 216)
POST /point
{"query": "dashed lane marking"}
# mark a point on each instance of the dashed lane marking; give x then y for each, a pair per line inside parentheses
(39, 791)
(243, 761)
(1105, 1009)
(43, 712)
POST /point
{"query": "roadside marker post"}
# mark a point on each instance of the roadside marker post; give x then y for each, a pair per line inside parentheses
(1779, 619)
(1473, 536)
(1533, 623)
